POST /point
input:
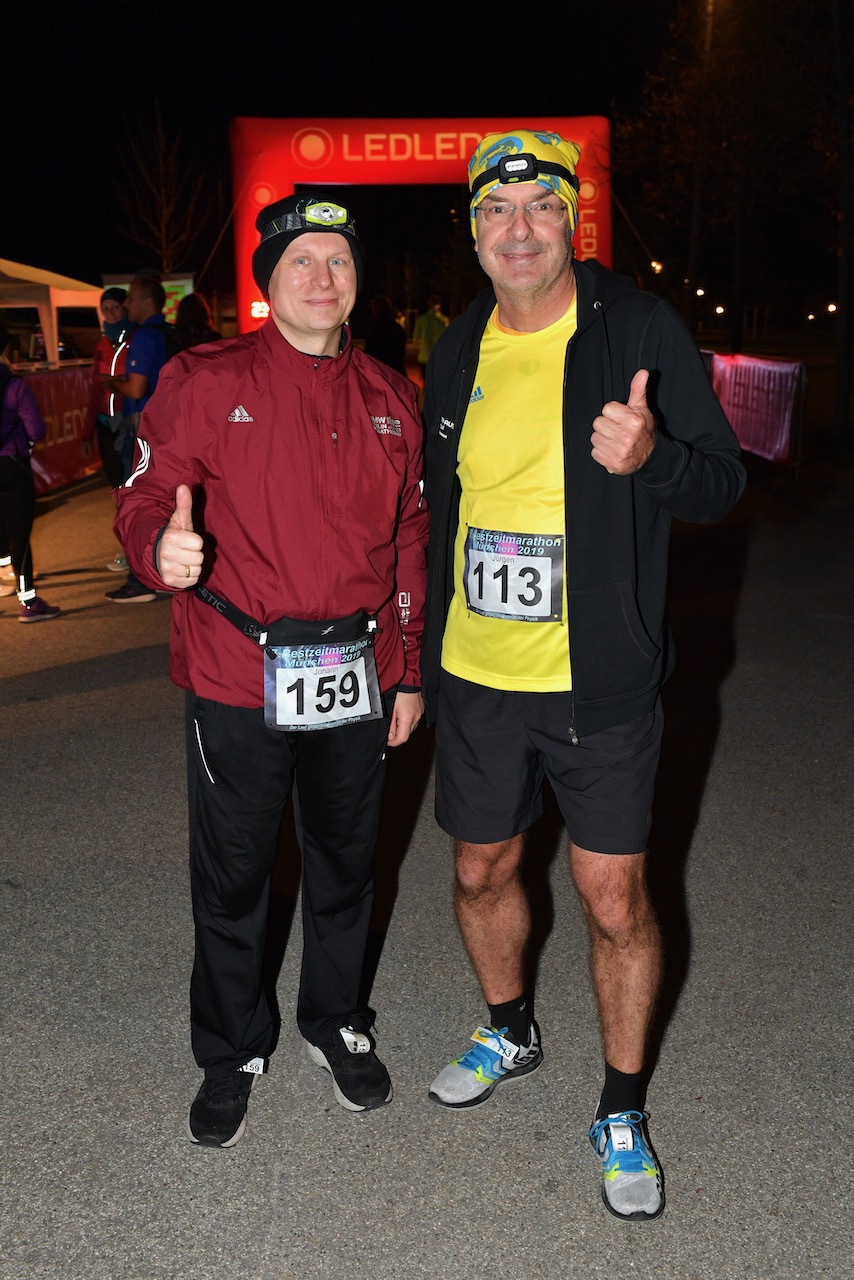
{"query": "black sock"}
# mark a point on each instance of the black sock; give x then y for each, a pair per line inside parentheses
(622, 1092)
(513, 1015)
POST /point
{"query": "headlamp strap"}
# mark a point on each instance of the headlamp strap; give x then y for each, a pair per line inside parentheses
(509, 170)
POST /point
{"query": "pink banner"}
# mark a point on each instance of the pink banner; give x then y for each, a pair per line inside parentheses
(64, 397)
(760, 397)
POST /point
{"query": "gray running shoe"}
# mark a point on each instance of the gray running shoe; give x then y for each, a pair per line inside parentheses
(632, 1187)
(470, 1080)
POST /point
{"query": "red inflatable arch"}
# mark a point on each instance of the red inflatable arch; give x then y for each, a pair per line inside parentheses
(271, 158)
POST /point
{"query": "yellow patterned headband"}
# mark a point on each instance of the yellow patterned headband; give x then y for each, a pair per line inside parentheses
(525, 156)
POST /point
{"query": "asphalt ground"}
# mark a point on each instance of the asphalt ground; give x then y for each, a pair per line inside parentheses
(750, 867)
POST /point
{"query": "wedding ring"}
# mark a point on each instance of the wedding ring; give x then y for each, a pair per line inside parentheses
(187, 567)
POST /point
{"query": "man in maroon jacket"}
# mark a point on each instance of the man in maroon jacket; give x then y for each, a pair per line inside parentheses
(277, 492)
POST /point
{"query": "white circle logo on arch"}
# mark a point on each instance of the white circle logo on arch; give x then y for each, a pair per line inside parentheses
(312, 147)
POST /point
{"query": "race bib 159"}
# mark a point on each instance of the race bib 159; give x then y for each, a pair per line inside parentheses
(319, 686)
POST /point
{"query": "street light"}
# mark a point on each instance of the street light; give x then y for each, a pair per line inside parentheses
(699, 176)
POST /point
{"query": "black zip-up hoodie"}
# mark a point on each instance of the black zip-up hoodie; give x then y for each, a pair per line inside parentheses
(618, 527)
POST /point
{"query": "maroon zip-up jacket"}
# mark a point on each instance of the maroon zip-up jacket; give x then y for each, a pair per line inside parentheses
(306, 479)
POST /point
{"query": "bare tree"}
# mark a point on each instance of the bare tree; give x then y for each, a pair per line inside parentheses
(721, 163)
(161, 193)
(843, 31)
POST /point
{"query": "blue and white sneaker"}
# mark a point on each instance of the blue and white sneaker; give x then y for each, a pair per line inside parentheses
(632, 1187)
(471, 1079)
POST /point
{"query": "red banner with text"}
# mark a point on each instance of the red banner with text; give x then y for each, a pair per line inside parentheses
(64, 397)
(271, 158)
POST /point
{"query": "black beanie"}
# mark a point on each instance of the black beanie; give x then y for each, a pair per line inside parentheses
(114, 294)
(297, 215)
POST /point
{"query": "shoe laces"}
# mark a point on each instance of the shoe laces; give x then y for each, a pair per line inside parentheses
(485, 1051)
(628, 1119)
(221, 1090)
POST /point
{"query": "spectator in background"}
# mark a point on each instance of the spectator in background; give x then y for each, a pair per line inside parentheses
(109, 358)
(145, 358)
(106, 420)
(21, 425)
(193, 323)
(429, 327)
(385, 340)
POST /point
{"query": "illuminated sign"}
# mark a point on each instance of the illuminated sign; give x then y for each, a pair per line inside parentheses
(271, 158)
(174, 286)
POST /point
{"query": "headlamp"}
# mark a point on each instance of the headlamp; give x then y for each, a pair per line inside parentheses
(311, 215)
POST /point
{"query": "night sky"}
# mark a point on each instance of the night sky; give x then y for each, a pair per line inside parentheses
(76, 81)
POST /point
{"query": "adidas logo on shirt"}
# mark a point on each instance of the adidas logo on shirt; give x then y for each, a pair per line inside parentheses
(240, 415)
(476, 395)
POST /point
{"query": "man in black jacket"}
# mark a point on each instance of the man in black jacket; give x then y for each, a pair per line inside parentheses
(569, 418)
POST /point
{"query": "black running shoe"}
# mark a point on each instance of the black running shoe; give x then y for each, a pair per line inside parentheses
(218, 1114)
(360, 1082)
(131, 594)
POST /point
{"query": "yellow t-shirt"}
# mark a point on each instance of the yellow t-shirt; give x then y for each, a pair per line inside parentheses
(507, 624)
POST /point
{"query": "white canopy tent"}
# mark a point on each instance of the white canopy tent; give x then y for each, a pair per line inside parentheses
(22, 286)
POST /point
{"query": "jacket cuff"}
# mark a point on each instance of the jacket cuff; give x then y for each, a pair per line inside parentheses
(155, 544)
(664, 464)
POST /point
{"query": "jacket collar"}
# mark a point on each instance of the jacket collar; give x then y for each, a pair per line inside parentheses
(594, 284)
(598, 287)
(286, 356)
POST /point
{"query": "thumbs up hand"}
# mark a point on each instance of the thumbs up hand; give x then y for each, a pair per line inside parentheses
(182, 517)
(179, 553)
(624, 434)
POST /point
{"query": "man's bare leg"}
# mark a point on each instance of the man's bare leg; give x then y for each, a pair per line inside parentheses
(625, 961)
(625, 950)
(494, 920)
(493, 915)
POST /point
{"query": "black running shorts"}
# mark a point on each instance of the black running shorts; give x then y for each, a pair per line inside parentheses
(493, 749)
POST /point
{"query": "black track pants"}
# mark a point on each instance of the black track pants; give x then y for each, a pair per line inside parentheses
(17, 508)
(240, 775)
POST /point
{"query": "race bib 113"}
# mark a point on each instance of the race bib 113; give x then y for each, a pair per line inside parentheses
(517, 576)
